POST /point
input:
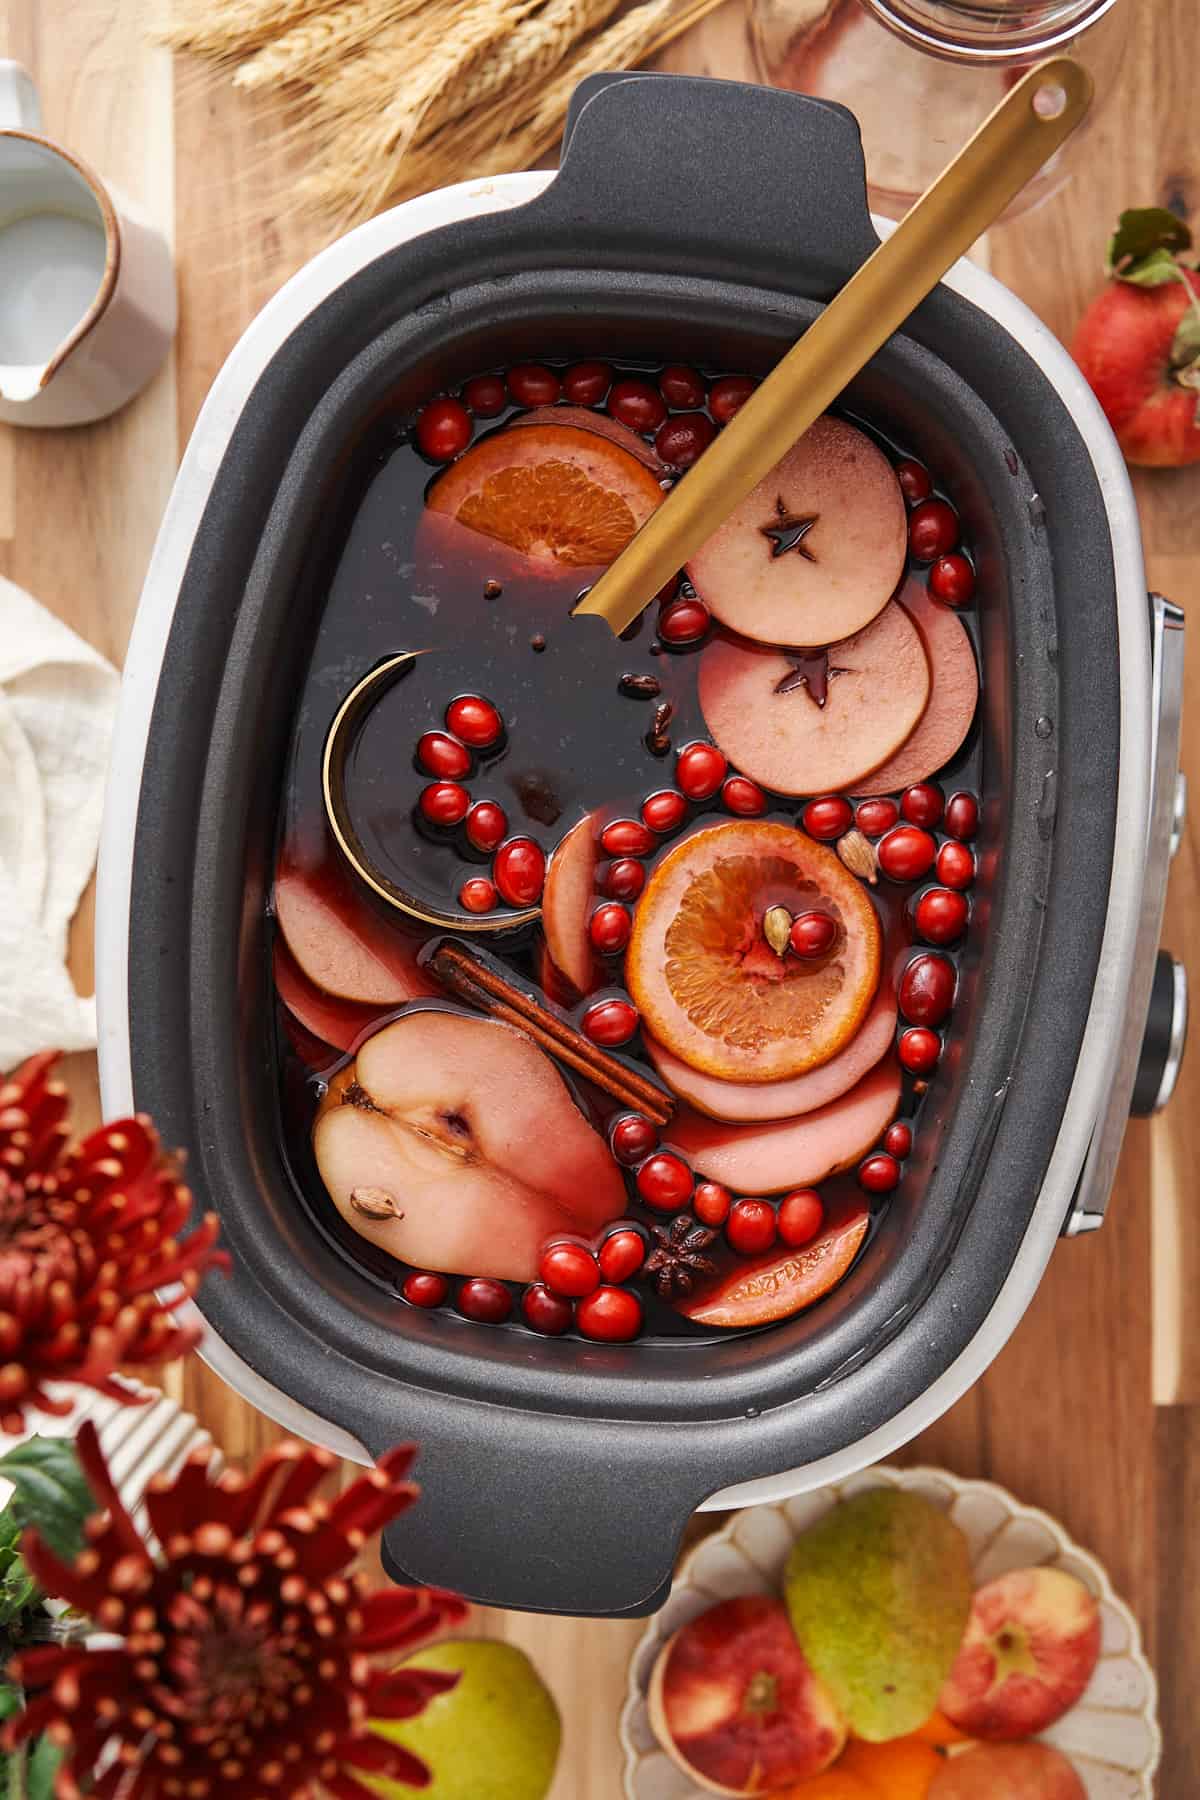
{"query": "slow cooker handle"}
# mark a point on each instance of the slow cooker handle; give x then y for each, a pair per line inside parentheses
(765, 185)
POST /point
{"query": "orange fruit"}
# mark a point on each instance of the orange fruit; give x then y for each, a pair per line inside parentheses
(834, 1784)
(706, 981)
(900, 1770)
(558, 495)
(938, 1730)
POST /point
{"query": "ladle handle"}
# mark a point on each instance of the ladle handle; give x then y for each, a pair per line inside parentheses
(1028, 126)
(20, 108)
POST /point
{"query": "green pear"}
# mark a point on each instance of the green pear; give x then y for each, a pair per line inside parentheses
(493, 1737)
(879, 1592)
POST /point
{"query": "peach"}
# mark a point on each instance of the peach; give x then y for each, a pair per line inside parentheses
(774, 1155)
(1031, 1644)
(567, 901)
(777, 733)
(584, 419)
(734, 1703)
(454, 1144)
(738, 1101)
(339, 1023)
(762, 1289)
(340, 944)
(953, 695)
(1008, 1772)
(815, 551)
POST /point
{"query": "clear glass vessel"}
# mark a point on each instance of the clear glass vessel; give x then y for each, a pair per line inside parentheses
(921, 75)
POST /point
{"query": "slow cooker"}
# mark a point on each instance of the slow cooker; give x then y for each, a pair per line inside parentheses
(705, 220)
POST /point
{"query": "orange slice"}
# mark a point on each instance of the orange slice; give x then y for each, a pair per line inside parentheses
(556, 494)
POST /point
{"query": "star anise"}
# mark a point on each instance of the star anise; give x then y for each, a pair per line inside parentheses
(678, 1256)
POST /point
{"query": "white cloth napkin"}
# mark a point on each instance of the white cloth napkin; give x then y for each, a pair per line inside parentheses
(58, 699)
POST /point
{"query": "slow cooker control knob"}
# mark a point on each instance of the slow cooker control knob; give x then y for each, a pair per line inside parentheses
(1164, 1039)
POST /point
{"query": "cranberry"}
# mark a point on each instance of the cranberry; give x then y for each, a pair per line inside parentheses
(664, 811)
(487, 825)
(962, 815)
(681, 386)
(443, 429)
(486, 396)
(828, 818)
(684, 437)
(897, 1139)
(545, 1312)
(423, 1289)
(750, 1226)
(728, 395)
(711, 1203)
(932, 530)
(927, 988)
(922, 805)
(569, 1269)
(444, 803)
(637, 404)
(813, 934)
(621, 1255)
(488, 1302)
(474, 720)
(879, 1174)
(919, 1050)
(941, 916)
(532, 384)
(610, 1022)
(952, 579)
(478, 895)
(683, 622)
(907, 853)
(700, 770)
(874, 817)
(519, 871)
(625, 879)
(665, 1182)
(612, 1315)
(955, 865)
(914, 479)
(801, 1216)
(743, 796)
(609, 928)
(586, 383)
(442, 755)
(631, 1137)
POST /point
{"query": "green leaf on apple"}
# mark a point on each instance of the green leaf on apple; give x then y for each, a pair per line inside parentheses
(1146, 244)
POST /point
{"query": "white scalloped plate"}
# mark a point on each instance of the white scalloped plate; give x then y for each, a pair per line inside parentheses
(1112, 1736)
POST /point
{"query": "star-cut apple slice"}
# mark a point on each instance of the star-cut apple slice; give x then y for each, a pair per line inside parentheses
(772, 1156)
(763, 1289)
(341, 945)
(453, 1143)
(953, 694)
(583, 419)
(567, 901)
(338, 1023)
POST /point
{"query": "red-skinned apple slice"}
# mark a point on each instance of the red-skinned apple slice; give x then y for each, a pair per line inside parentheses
(763, 1289)
(737, 1101)
(771, 1156)
(735, 1705)
(778, 734)
(339, 1023)
(1008, 1772)
(341, 945)
(567, 901)
(583, 419)
(953, 695)
(767, 574)
(454, 1144)
(1030, 1648)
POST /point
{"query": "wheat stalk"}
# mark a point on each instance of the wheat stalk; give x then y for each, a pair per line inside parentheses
(525, 57)
(322, 40)
(230, 29)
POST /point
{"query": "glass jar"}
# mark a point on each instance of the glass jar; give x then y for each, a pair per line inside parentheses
(921, 75)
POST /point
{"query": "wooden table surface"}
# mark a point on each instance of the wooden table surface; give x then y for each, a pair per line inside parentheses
(1066, 1417)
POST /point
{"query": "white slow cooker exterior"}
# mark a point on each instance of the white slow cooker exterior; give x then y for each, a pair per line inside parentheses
(1106, 1023)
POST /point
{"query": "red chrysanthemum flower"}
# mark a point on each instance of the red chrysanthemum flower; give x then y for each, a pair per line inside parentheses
(86, 1236)
(243, 1667)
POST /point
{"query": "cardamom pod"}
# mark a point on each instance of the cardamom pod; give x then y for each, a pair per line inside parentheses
(777, 928)
(374, 1203)
(858, 854)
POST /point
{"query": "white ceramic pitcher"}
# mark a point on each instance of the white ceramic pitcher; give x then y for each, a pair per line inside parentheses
(87, 288)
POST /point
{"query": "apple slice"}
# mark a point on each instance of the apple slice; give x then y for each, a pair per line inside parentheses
(339, 1023)
(567, 901)
(453, 1143)
(583, 419)
(799, 737)
(340, 944)
(763, 1289)
(1008, 1772)
(1030, 1648)
(772, 1156)
(735, 1705)
(738, 1100)
(953, 695)
(816, 551)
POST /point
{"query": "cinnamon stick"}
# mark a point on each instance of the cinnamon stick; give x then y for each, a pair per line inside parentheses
(470, 978)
